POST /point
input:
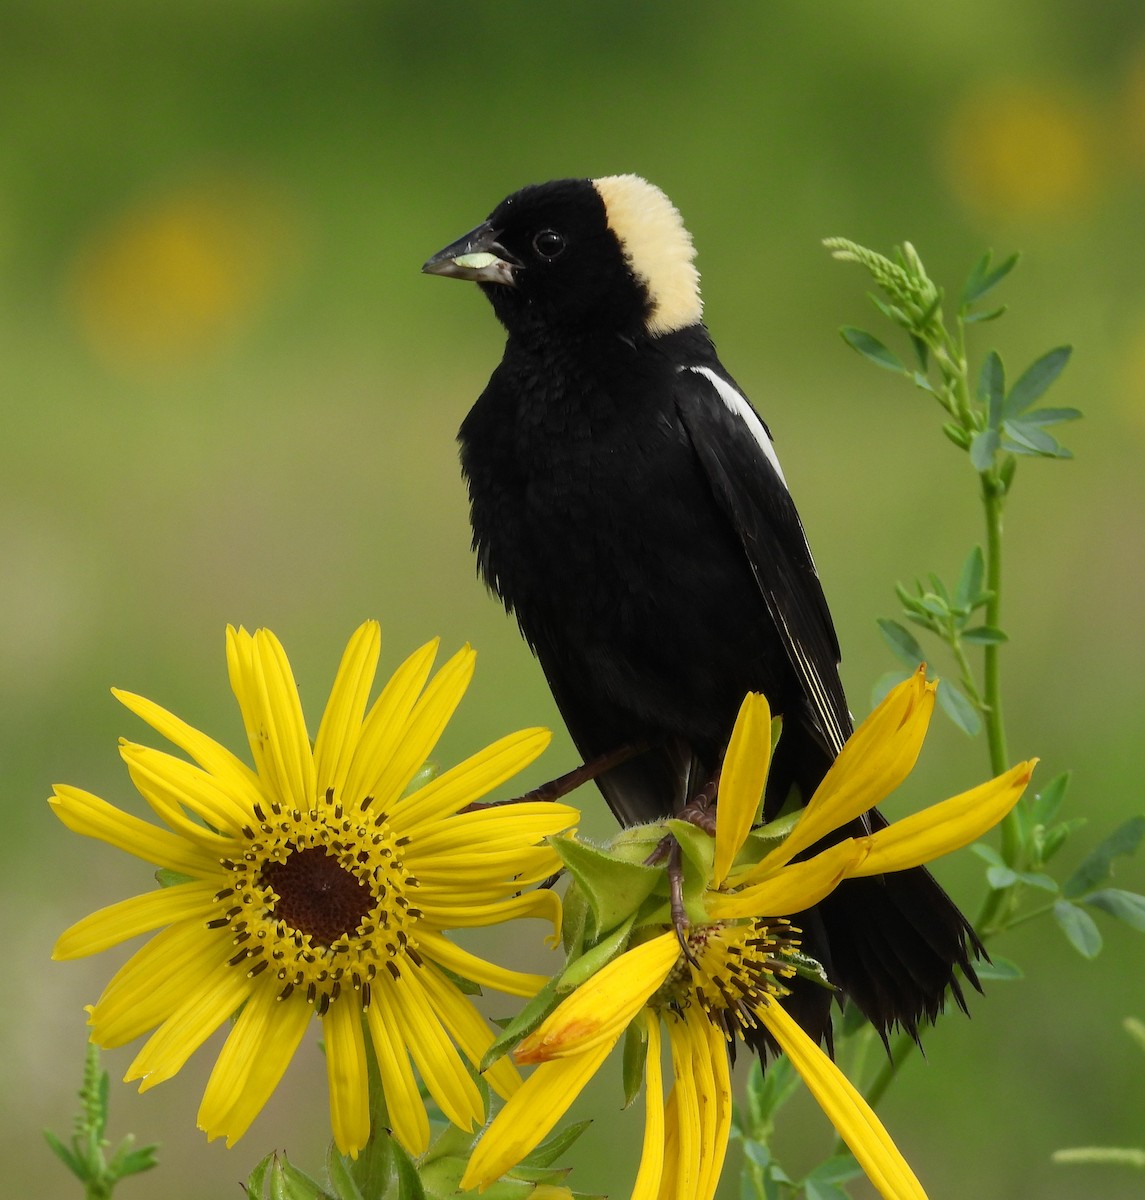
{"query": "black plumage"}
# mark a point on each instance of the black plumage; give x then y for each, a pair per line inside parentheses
(629, 510)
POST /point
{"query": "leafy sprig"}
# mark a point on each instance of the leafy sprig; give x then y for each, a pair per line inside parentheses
(85, 1153)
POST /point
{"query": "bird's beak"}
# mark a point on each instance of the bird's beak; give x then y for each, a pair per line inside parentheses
(476, 256)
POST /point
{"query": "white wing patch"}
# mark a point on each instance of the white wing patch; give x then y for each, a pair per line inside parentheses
(736, 403)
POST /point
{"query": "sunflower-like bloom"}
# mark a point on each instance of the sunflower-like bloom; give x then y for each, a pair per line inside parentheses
(739, 955)
(314, 885)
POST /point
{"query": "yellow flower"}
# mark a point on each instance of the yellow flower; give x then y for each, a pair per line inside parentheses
(316, 886)
(730, 982)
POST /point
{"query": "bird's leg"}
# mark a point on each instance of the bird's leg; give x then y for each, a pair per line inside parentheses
(698, 811)
(560, 787)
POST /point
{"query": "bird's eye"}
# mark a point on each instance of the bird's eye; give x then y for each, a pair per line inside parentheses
(548, 243)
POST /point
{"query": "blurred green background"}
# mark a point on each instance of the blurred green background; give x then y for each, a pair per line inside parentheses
(229, 396)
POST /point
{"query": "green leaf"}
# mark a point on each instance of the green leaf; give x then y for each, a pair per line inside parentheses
(968, 591)
(635, 1056)
(1125, 906)
(73, 1164)
(339, 1174)
(983, 448)
(768, 1091)
(1051, 416)
(1036, 378)
(1001, 877)
(287, 1182)
(166, 878)
(1097, 866)
(982, 279)
(409, 1182)
(984, 635)
(126, 1161)
(881, 688)
(836, 1169)
(1079, 927)
(992, 388)
(988, 853)
(954, 702)
(256, 1184)
(556, 1146)
(998, 968)
(533, 1013)
(980, 318)
(901, 641)
(586, 966)
(614, 888)
(1052, 840)
(814, 1190)
(1025, 438)
(956, 434)
(871, 348)
(1045, 804)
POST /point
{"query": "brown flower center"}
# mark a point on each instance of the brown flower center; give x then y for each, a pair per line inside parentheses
(317, 895)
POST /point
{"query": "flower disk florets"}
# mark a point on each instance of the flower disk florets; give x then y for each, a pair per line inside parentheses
(321, 897)
(732, 971)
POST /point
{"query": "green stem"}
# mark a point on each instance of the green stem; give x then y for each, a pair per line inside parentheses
(992, 502)
(901, 1049)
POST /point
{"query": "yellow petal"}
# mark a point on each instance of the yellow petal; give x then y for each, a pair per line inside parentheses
(944, 827)
(504, 871)
(600, 1010)
(266, 1034)
(857, 1125)
(385, 723)
(440, 949)
(647, 1186)
(468, 1029)
(154, 981)
(503, 828)
(84, 813)
(346, 1074)
(435, 1056)
(427, 722)
(668, 1190)
(877, 757)
(284, 741)
(140, 914)
(341, 723)
(149, 773)
(688, 1131)
(403, 1100)
(205, 1007)
(230, 773)
(742, 781)
(722, 1088)
(530, 1113)
(711, 1071)
(472, 779)
(170, 784)
(541, 903)
(792, 888)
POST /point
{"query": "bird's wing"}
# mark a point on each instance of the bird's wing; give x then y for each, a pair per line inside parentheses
(735, 451)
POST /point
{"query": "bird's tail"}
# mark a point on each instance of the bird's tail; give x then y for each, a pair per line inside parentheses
(895, 944)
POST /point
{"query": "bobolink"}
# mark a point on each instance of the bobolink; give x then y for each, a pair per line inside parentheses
(629, 509)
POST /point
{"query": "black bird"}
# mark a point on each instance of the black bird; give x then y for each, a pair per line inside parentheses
(629, 509)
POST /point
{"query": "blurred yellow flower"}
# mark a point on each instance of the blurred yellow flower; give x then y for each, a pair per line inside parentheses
(1016, 150)
(731, 978)
(314, 885)
(167, 281)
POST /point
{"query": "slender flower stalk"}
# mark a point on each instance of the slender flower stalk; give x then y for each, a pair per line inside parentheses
(732, 980)
(314, 885)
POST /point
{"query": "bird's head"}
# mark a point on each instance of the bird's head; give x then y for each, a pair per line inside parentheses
(580, 254)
